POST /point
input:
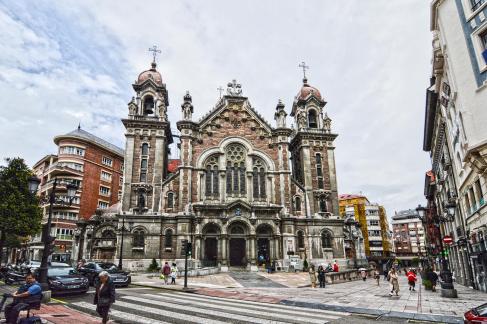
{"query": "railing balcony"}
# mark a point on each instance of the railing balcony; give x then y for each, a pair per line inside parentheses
(64, 237)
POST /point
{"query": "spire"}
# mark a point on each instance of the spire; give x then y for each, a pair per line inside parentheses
(79, 125)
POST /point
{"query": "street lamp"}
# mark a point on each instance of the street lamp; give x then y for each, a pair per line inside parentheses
(122, 231)
(48, 240)
(349, 222)
(421, 212)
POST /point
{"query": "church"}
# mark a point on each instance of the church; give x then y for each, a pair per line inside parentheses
(244, 191)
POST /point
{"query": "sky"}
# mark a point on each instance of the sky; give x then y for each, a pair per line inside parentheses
(68, 62)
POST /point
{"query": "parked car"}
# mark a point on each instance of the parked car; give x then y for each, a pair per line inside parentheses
(477, 315)
(66, 280)
(13, 274)
(33, 265)
(91, 270)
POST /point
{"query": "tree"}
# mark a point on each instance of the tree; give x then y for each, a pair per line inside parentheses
(20, 213)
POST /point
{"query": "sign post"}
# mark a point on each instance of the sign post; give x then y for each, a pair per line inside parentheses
(447, 240)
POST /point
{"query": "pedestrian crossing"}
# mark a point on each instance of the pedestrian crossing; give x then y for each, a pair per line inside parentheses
(179, 307)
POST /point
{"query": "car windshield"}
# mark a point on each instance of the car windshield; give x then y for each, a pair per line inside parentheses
(110, 267)
(482, 310)
(64, 271)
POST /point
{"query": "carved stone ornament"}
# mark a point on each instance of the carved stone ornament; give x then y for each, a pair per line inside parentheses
(234, 88)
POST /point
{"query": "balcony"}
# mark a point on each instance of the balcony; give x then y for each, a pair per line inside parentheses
(59, 169)
(63, 237)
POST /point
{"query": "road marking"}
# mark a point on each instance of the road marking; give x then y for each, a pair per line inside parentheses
(261, 304)
(150, 310)
(207, 311)
(133, 318)
(252, 309)
(59, 300)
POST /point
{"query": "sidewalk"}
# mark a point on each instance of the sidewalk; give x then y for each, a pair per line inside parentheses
(356, 296)
(53, 313)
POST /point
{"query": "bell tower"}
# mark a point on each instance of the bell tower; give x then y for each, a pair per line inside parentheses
(312, 151)
(148, 136)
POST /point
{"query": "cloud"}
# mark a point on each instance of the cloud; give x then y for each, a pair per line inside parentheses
(75, 61)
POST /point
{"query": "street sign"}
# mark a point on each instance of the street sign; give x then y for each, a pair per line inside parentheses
(447, 240)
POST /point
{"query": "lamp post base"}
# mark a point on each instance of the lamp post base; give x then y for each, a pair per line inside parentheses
(449, 293)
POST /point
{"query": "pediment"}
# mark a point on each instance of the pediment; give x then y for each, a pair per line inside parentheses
(238, 112)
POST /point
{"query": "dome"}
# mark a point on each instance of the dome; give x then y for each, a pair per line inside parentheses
(151, 74)
(307, 90)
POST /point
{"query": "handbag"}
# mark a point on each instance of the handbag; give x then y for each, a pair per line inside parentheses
(104, 301)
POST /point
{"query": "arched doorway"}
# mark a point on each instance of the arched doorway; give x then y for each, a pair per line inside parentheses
(210, 245)
(264, 235)
(237, 243)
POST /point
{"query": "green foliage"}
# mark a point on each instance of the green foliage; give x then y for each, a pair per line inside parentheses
(415, 262)
(427, 284)
(20, 213)
(153, 266)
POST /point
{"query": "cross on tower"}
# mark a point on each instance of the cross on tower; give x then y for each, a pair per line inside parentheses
(154, 51)
(220, 90)
(305, 67)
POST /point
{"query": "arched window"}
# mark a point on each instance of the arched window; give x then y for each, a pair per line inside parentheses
(170, 200)
(148, 105)
(237, 230)
(236, 155)
(138, 239)
(297, 203)
(168, 238)
(322, 202)
(145, 149)
(319, 171)
(144, 162)
(300, 240)
(258, 179)
(326, 239)
(312, 119)
(211, 178)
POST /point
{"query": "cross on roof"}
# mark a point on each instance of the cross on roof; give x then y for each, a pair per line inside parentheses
(154, 51)
(305, 67)
(220, 89)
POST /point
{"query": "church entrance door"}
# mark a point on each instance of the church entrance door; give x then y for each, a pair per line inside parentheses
(237, 252)
(263, 251)
(211, 252)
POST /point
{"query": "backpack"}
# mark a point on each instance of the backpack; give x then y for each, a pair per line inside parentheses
(31, 320)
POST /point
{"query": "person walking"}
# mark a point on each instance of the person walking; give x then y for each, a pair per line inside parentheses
(411, 279)
(321, 276)
(312, 276)
(394, 281)
(104, 296)
(363, 274)
(174, 273)
(433, 278)
(166, 271)
(377, 276)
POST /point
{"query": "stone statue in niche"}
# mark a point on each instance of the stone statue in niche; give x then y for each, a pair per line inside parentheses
(301, 119)
(327, 123)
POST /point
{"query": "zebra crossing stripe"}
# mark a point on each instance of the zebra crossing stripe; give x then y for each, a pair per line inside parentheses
(231, 312)
(119, 315)
(187, 308)
(162, 312)
(235, 302)
(295, 309)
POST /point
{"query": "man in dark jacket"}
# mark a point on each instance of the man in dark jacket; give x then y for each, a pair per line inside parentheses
(28, 295)
(104, 296)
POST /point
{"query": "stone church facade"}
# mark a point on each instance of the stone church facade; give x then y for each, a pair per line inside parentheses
(245, 192)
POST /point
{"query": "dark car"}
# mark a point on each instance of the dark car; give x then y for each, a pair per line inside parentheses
(66, 280)
(91, 270)
(477, 315)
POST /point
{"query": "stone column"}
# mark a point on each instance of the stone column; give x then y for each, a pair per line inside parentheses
(224, 256)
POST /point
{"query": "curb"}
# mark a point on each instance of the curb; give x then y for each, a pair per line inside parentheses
(163, 287)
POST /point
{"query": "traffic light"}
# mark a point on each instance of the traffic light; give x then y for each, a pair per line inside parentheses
(189, 248)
